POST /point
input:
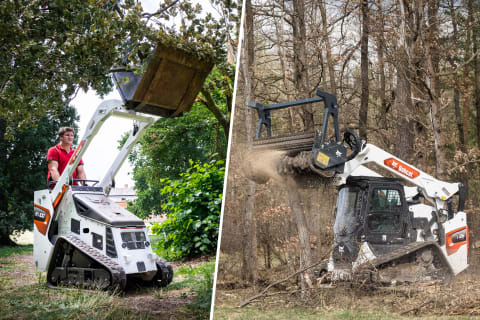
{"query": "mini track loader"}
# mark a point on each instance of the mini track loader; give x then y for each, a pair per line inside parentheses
(384, 230)
(81, 237)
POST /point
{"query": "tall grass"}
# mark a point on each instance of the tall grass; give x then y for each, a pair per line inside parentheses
(199, 280)
(7, 251)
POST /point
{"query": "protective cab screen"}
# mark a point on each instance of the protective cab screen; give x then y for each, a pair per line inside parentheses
(385, 211)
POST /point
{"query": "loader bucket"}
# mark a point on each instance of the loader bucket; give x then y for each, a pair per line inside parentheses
(169, 85)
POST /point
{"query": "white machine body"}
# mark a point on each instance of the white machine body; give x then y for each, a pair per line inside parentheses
(108, 233)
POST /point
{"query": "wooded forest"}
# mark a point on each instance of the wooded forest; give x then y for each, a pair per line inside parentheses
(407, 78)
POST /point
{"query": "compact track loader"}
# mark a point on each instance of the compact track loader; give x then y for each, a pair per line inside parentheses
(81, 237)
(384, 230)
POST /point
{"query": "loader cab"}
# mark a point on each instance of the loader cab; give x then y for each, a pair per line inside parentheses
(373, 210)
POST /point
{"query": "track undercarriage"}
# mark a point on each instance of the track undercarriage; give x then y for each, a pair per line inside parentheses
(422, 265)
(418, 261)
(76, 264)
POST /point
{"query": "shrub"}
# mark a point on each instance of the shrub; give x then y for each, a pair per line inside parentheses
(193, 210)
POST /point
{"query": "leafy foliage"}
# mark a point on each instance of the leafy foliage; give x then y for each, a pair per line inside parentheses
(50, 49)
(193, 210)
(201, 33)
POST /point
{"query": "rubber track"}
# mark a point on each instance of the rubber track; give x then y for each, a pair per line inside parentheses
(118, 276)
(402, 252)
(293, 142)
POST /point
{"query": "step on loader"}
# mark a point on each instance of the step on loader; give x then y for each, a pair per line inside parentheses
(81, 237)
(403, 228)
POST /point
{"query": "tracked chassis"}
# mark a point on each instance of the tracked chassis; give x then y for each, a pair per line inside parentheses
(74, 263)
(414, 262)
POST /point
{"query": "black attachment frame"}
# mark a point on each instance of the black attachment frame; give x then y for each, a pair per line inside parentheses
(331, 109)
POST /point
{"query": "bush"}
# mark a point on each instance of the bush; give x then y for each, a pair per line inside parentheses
(193, 211)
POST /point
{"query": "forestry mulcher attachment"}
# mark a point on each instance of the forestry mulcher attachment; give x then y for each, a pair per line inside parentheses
(81, 237)
(384, 231)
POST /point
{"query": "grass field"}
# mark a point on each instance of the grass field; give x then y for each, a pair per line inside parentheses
(300, 313)
(25, 295)
(7, 251)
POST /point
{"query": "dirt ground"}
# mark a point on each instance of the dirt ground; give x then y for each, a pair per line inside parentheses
(18, 271)
(427, 299)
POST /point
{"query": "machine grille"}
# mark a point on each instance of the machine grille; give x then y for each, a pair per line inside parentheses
(110, 244)
(141, 266)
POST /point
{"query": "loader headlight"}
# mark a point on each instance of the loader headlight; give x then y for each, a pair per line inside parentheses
(147, 244)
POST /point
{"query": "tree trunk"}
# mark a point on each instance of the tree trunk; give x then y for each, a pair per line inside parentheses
(476, 75)
(381, 66)
(456, 91)
(430, 40)
(249, 268)
(363, 115)
(466, 75)
(296, 205)
(300, 77)
(403, 144)
(326, 40)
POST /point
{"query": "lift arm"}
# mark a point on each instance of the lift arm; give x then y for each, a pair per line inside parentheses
(434, 190)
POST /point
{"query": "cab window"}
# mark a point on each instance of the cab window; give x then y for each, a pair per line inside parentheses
(385, 211)
(385, 200)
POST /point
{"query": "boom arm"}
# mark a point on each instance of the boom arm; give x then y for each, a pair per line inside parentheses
(434, 190)
(105, 110)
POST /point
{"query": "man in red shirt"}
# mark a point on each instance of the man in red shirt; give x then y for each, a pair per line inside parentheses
(59, 155)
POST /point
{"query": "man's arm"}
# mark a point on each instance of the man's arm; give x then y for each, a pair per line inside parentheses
(81, 172)
(53, 168)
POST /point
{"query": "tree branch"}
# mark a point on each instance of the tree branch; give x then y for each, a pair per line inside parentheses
(210, 104)
(261, 294)
(159, 11)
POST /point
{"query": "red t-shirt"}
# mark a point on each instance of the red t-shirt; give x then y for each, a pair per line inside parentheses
(58, 154)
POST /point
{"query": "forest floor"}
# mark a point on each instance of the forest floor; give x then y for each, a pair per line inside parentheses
(25, 295)
(428, 300)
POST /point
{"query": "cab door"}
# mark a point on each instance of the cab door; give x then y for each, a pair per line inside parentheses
(387, 220)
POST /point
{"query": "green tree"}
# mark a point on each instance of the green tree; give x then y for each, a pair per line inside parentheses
(23, 169)
(51, 48)
(193, 210)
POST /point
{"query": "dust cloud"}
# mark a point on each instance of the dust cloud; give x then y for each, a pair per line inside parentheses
(262, 165)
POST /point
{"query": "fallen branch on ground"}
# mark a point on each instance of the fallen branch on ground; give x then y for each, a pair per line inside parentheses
(263, 293)
(418, 307)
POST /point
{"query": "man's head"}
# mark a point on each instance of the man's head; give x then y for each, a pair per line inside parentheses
(66, 135)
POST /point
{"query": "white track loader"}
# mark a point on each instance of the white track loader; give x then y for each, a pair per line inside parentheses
(81, 237)
(384, 230)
